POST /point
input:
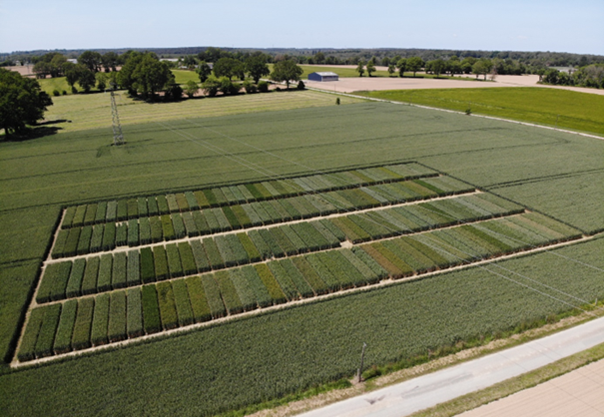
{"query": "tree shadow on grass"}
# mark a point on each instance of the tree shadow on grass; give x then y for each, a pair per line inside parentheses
(31, 133)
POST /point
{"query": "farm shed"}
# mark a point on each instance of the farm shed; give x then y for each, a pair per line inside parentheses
(323, 76)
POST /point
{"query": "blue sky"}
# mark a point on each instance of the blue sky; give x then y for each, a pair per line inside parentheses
(529, 25)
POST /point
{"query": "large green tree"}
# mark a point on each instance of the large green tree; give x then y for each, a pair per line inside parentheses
(227, 67)
(92, 60)
(482, 67)
(22, 102)
(414, 64)
(204, 71)
(256, 67)
(286, 70)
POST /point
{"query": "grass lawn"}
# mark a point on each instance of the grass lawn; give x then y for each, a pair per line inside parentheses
(547, 106)
(175, 147)
(183, 76)
(89, 111)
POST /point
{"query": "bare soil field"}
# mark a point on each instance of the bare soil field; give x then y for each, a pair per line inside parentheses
(577, 393)
(349, 85)
(25, 70)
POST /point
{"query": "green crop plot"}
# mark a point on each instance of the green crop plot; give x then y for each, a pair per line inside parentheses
(268, 168)
(547, 106)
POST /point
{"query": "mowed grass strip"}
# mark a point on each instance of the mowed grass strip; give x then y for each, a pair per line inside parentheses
(94, 110)
(547, 106)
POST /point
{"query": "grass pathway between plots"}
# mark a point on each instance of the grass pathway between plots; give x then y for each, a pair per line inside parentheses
(271, 250)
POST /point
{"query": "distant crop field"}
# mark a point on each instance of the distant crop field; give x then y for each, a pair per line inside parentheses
(256, 245)
(552, 107)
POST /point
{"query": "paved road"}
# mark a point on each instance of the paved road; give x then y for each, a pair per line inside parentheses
(428, 390)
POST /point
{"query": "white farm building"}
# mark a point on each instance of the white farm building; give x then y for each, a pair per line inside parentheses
(323, 76)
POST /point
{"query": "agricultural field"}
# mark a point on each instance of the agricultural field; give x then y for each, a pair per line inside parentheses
(246, 257)
(546, 106)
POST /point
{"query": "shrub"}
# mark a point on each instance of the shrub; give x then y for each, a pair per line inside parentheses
(250, 87)
(100, 321)
(151, 317)
(211, 86)
(64, 92)
(302, 86)
(83, 322)
(263, 86)
(62, 343)
(117, 316)
(199, 303)
(134, 313)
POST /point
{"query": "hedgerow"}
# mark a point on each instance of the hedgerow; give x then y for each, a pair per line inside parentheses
(167, 305)
(134, 313)
(117, 317)
(100, 321)
(62, 343)
(151, 317)
(81, 329)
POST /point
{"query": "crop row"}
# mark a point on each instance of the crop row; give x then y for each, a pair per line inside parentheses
(120, 210)
(98, 274)
(145, 230)
(110, 317)
(113, 316)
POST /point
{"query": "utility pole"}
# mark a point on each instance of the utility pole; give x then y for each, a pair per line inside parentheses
(362, 359)
(118, 137)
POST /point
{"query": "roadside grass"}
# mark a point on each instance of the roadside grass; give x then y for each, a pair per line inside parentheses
(90, 111)
(513, 385)
(546, 106)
